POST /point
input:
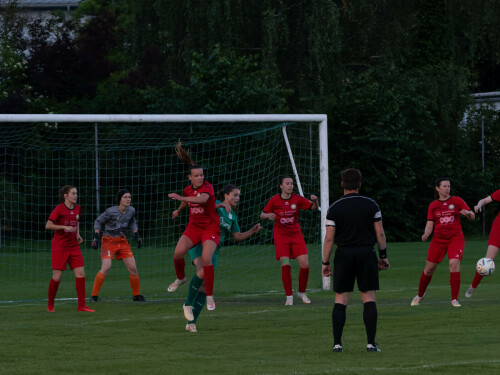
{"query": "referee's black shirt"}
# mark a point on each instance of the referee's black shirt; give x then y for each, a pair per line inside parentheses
(353, 216)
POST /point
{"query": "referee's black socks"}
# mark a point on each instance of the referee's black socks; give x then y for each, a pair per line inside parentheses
(338, 322)
(370, 320)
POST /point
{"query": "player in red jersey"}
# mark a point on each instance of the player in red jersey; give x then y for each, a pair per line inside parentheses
(284, 210)
(443, 217)
(203, 226)
(65, 245)
(493, 240)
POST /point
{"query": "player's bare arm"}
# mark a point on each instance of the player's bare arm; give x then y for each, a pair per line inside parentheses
(238, 236)
(270, 216)
(202, 198)
(326, 269)
(469, 214)
(482, 203)
(429, 227)
(383, 262)
(177, 212)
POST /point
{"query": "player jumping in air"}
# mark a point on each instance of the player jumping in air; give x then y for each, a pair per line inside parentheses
(203, 226)
(226, 209)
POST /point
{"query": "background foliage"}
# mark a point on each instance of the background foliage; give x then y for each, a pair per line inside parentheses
(395, 78)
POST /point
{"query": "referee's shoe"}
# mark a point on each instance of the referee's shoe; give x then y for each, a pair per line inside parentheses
(373, 348)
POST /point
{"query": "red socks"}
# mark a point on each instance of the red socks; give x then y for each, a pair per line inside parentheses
(424, 282)
(179, 265)
(477, 280)
(208, 272)
(286, 276)
(80, 290)
(455, 284)
(53, 286)
(303, 277)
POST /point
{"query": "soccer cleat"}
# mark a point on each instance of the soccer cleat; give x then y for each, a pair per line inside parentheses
(289, 301)
(50, 308)
(416, 300)
(139, 297)
(177, 283)
(469, 292)
(191, 327)
(210, 304)
(188, 313)
(373, 348)
(94, 298)
(337, 348)
(303, 297)
(85, 309)
(455, 303)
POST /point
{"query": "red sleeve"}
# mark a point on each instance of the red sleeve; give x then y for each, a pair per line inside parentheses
(208, 189)
(269, 206)
(430, 212)
(496, 196)
(55, 214)
(462, 204)
(304, 203)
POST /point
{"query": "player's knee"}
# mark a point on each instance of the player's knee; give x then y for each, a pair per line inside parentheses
(285, 262)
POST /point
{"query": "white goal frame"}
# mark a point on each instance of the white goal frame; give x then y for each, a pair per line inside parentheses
(320, 119)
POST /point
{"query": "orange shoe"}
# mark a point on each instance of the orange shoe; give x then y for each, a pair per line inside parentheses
(86, 309)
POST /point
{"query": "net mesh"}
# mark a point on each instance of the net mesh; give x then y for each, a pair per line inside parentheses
(99, 159)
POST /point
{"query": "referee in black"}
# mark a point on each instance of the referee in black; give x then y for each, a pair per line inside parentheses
(354, 223)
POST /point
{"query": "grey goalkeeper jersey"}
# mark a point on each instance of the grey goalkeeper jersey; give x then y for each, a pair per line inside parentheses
(116, 223)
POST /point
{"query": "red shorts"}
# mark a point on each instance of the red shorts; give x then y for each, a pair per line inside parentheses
(439, 247)
(494, 239)
(199, 235)
(115, 246)
(290, 247)
(62, 256)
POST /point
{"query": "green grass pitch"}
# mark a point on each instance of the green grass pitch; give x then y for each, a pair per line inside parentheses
(250, 332)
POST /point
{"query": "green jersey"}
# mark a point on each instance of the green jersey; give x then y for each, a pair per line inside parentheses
(228, 223)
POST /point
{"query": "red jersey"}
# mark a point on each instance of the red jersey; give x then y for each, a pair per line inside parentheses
(287, 213)
(202, 215)
(63, 215)
(446, 215)
(496, 196)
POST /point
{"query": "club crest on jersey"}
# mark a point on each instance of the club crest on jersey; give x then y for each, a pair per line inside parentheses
(77, 217)
(451, 206)
(293, 206)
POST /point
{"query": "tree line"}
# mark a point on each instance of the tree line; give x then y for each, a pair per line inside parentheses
(395, 78)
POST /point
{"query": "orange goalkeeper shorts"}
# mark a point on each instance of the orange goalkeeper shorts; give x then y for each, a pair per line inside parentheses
(115, 247)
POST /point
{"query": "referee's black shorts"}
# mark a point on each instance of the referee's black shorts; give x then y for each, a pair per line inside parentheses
(358, 263)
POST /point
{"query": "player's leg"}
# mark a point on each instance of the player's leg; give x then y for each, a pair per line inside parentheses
(370, 317)
(133, 277)
(80, 286)
(490, 253)
(53, 287)
(299, 250)
(435, 255)
(286, 279)
(106, 262)
(209, 247)
(455, 252)
(194, 284)
(185, 243)
(339, 318)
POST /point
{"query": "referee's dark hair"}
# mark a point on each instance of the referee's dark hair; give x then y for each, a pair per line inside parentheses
(351, 179)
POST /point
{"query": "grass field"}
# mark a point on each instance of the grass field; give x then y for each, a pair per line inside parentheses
(254, 333)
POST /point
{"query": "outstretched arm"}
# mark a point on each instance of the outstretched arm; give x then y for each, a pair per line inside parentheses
(202, 198)
(482, 203)
(238, 236)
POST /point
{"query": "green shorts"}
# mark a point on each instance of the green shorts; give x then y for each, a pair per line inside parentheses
(195, 252)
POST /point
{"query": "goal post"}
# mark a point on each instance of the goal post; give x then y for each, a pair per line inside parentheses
(101, 153)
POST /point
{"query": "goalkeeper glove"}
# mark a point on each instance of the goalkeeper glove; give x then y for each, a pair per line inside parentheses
(138, 239)
(96, 241)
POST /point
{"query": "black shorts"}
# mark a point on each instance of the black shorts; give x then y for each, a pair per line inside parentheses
(355, 262)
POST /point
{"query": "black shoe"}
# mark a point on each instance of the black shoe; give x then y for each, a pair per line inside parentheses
(373, 348)
(337, 348)
(94, 299)
(139, 297)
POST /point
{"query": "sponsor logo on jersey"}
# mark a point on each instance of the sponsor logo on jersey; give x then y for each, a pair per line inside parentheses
(287, 220)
